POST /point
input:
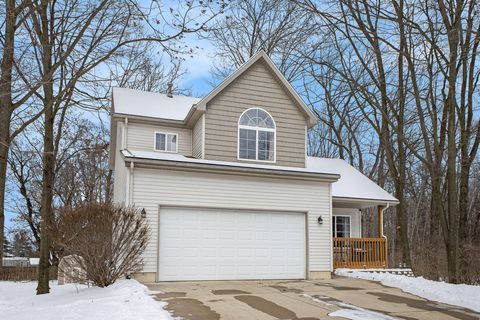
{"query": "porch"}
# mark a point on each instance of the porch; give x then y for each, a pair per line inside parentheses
(359, 253)
(350, 249)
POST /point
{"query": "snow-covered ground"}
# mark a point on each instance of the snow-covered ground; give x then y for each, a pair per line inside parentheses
(455, 294)
(126, 299)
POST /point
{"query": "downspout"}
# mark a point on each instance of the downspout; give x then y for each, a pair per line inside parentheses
(125, 134)
(130, 184)
(380, 226)
(203, 136)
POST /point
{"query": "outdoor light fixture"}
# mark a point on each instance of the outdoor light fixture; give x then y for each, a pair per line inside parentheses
(320, 220)
(144, 213)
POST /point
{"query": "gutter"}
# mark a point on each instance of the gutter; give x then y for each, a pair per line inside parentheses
(367, 200)
(228, 169)
(147, 119)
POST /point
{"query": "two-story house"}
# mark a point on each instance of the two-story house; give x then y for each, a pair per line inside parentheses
(227, 187)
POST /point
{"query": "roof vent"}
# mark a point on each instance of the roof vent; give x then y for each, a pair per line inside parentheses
(169, 90)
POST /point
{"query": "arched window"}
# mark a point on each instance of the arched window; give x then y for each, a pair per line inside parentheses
(256, 136)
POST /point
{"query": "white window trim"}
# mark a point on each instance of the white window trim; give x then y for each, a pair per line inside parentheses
(274, 130)
(334, 228)
(165, 133)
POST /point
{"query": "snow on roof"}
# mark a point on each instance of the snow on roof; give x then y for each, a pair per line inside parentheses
(352, 183)
(151, 104)
(180, 158)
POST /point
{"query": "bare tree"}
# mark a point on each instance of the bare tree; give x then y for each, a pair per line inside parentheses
(15, 112)
(358, 61)
(275, 26)
(74, 39)
(105, 241)
(411, 70)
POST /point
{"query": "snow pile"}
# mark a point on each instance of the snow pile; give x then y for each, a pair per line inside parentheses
(125, 299)
(455, 294)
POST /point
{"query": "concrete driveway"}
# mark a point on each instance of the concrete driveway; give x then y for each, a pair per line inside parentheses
(301, 300)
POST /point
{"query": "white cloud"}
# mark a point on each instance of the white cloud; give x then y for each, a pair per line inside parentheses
(198, 66)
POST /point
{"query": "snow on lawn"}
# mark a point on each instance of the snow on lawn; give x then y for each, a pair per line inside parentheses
(126, 299)
(455, 294)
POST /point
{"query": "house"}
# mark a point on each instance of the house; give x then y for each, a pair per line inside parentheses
(15, 262)
(228, 189)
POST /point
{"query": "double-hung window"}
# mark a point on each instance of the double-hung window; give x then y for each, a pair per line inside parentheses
(341, 226)
(256, 136)
(165, 142)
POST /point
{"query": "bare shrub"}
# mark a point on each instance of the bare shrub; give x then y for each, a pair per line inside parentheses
(105, 241)
(429, 260)
(470, 263)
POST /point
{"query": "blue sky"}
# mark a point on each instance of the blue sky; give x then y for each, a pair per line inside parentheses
(198, 68)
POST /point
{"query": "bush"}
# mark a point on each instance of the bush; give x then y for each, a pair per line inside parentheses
(105, 241)
(469, 263)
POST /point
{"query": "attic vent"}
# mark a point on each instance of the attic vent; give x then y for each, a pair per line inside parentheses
(169, 90)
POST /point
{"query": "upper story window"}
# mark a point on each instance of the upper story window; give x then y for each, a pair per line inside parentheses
(256, 136)
(166, 141)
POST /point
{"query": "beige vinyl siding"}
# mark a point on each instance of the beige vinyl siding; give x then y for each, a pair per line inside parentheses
(256, 87)
(154, 188)
(197, 138)
(141, 137)
(355, 220)
(120, 172)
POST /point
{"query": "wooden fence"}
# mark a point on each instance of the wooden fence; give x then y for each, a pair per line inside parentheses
(24, 273)
(359, 253)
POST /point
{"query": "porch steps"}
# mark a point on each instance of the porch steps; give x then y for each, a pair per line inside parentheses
(403, 271)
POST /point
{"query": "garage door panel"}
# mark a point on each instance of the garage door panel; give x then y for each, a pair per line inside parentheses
(199, 244)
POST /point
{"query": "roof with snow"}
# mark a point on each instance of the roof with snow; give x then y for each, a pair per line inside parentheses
(157, 105)
(151, 104)
(351, 183)
(167, 156)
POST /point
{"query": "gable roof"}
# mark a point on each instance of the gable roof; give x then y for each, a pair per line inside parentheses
(151, 104)
(186, 109)
(261, 55)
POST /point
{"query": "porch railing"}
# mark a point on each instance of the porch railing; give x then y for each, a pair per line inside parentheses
(359, 253)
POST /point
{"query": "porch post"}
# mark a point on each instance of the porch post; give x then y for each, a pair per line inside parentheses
(384, 254)
(380, 221)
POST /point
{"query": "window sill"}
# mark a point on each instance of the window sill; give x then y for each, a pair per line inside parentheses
(260, 161)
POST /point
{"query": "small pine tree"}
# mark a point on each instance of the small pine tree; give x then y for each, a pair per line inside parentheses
(22, 245)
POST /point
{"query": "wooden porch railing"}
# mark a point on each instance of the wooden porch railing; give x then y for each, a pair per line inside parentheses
(359, 253)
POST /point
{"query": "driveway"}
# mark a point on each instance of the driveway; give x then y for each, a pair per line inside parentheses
(301, 300)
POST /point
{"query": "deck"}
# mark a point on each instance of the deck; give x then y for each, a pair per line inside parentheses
(359, 253)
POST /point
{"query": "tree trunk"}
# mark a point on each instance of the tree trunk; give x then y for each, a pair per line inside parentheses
(46, 213)
(402, 244)
(6, 106)
(463, 197)
(46, 210)
(4, 138)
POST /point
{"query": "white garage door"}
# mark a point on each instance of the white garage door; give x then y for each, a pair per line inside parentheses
(200, 244)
